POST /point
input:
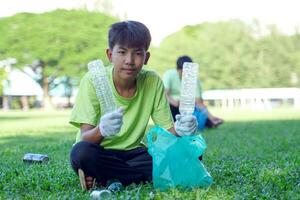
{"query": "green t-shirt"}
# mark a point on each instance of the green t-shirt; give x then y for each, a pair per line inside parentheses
(172, 82)
(148, 101)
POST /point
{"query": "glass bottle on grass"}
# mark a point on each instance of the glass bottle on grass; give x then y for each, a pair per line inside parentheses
(188, 88)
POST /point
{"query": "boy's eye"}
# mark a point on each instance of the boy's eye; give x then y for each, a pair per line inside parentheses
(138, 53)
(121, 52)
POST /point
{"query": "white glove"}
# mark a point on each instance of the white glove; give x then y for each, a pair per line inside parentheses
(110, 123)
(185, 125)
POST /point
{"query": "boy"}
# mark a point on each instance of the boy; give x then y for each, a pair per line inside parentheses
(110, 146)
(172, 84)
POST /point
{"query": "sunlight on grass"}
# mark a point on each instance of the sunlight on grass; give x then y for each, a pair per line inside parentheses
(256, 115)
(33, 122)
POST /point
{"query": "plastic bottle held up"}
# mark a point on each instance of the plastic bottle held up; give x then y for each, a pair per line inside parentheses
(103, 88)
(188, 88)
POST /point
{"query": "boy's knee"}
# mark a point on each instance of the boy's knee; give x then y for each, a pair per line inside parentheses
(82, 151)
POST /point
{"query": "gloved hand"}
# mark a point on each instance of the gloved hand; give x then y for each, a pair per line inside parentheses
(110, 123)
(185, 125)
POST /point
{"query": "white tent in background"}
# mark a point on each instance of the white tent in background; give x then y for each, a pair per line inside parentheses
(19, 84)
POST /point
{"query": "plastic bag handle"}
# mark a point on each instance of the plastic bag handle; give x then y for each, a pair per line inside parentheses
(198, 145)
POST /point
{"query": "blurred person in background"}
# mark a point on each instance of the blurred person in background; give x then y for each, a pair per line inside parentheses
(172, 83)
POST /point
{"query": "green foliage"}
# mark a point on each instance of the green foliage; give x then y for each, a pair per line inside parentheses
(251, 156)
(65, 40)
(230, 55)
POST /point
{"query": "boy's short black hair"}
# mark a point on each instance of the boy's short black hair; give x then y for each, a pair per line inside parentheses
(181, 60)
(129, 33)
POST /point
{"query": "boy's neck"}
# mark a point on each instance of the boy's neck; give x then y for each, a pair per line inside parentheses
(125, 88)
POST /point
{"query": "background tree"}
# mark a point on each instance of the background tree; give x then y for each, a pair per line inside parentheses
(233, 54)
(63, 40)
(279, 59)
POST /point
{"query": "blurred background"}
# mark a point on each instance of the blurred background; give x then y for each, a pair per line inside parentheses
(248, 51)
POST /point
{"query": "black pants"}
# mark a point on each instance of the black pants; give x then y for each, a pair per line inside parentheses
(133, 166)
(174, 111)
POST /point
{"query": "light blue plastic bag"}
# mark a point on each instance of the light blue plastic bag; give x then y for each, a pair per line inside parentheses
(176, 160)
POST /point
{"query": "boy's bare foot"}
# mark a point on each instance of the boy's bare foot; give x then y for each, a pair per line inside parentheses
(217, 121)
(86, 182)
(214, 122)
(90, 182)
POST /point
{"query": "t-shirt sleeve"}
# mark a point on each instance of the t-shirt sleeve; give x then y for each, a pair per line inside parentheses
(161, 114)
(167, 80)
(86, 109)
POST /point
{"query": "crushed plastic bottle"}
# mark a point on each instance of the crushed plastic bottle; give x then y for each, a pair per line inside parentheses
(188, 88)
(35, 158)
(103, 88)
(100, 194)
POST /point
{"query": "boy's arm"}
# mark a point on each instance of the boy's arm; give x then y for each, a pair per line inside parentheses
(200, 103)
(167, 79)
(91, 133)
(172, 101)
(172, 130)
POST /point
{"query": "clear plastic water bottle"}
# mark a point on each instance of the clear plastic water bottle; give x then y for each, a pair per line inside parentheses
(188, 88)
(102, 86)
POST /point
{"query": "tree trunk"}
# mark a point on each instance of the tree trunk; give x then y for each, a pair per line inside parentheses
(25, 102)
(46, 100)
(5, 102)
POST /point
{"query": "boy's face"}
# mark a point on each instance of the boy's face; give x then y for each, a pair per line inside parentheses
(127, 62)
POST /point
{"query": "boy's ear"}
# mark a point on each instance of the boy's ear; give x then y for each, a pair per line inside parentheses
(109, 54)
(147, 57)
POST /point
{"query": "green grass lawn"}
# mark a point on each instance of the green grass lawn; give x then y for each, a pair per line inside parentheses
(254, 155)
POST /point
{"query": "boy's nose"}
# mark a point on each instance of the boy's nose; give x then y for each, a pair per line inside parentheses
(129, 59)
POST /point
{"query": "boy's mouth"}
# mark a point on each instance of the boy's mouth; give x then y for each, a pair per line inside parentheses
(129, 70)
